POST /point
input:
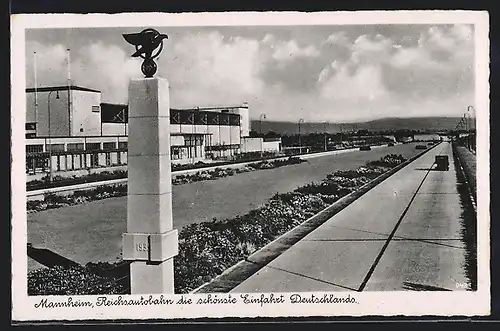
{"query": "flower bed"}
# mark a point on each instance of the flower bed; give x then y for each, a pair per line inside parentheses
(207, 249)
(91, 279)
(74, 180)
(52, 201)
(59, 181)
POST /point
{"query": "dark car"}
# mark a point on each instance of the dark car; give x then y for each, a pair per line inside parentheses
(442, 162)
(421, 147)
(390, 144)
(365, 148)
(430, 143)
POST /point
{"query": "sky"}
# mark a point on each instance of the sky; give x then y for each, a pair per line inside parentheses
(315, 73)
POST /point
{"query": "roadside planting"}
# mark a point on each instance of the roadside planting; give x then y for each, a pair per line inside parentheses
(207, 249)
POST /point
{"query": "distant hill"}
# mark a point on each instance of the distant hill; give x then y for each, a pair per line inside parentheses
(432, 124)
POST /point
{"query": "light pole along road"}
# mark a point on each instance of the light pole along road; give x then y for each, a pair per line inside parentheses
(51, 171)
(325, 134)
(300, 137)
(262, 116)
(407, 233)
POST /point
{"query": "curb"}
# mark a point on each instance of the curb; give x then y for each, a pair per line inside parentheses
(242, 270)
(466, 176)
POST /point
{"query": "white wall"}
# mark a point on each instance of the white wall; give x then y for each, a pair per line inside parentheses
(83, 116)
(244, 121)
(59, 124)
(252, 145)
(271, 146)
(114, 129)
(257, 144)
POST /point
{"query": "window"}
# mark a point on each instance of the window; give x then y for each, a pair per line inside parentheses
(122, 144)
(93, 146)
(96, 109)
(30, 126)
(94, 160)
(108, 145)
(34, 148)
(75, 147)
(55, 147)
(175, 153)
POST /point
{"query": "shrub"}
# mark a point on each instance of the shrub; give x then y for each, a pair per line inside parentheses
(75, 280)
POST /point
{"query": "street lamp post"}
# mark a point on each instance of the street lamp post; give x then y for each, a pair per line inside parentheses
(326, 145)
(471, 129)
(300, 138)
(262, 116)
(51, 171)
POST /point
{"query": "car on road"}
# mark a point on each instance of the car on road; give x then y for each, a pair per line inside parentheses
(390, 144)
(365, 148)
(442, 162)
(421, 147)
(430, 143)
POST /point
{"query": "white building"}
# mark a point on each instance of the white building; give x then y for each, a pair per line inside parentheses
(72, 126)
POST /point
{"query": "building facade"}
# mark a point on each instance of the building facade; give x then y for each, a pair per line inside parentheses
(69, 128)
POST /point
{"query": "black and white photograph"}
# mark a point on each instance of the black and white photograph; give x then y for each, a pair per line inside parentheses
(250, 164)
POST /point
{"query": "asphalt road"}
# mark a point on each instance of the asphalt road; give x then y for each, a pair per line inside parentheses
(405, 234)
(92, 231)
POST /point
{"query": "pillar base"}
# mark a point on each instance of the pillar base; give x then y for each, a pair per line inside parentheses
(152, 277)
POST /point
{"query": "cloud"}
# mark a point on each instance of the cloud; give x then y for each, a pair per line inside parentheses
(108, 68)
(50, 62)
(357, 73)
(290, 50)
(103, 67)
(206, 69)
(338, 38)
(367, 49)
(268, 39)
(366, 84)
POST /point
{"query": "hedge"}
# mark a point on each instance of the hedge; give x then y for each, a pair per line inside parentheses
(207, 249)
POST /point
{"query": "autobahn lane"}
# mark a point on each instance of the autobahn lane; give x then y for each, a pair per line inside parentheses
(403, 234)
(431, 233)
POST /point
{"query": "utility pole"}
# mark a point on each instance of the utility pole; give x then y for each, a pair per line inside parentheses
(300, 138)
(51, 171)
(262, 116)
(326, 144)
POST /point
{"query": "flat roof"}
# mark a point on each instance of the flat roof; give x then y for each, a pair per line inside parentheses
(190, 133)
(61, 88)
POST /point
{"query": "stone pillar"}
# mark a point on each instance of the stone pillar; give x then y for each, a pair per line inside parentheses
(101, 159)
(62, 162)
(87, 160)
(76, 160)
(114, 158)
(150, 241)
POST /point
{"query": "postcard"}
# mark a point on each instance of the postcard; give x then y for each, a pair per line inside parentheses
(250, 164)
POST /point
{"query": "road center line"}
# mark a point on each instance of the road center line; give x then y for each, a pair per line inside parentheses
(391, 235)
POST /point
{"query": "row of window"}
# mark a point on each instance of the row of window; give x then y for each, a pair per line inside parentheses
(203, 118)
(93, 161)
(75, 147)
